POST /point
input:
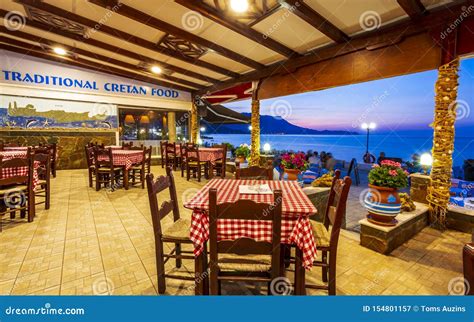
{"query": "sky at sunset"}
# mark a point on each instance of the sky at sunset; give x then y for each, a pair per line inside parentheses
(394, 104)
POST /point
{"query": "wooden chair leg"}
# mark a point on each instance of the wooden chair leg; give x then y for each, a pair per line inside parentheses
(199, 173)
(178, 252)
(142, 178)
(97, 182)
(332, 274)
(48, 196)
(214, 283)
(324, 269)
(90, 178)
(160, 267)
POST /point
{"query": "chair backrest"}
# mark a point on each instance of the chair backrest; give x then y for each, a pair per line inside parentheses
(17, 166)
(154, 187)
(170, 149)
(44, 167)
(254, 172)
(192, 153)
(127, 146)
(336, 207)
(103, 157)
(89, 155)
(246, 210)
(147, 158)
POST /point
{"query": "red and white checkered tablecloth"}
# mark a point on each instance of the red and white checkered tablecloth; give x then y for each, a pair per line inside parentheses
(125, 158)
(296, 209)
(207, 154)
(11, 154)
(20, 171)
(15, 148)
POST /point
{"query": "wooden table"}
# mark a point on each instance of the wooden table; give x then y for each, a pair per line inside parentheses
(296, 227)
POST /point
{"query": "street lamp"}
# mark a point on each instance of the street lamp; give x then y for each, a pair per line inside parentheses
(368, 158)
(426, 161)
(267, 148)
(203, 129)
(250, 127)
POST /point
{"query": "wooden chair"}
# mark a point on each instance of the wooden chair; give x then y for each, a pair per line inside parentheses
(254, 172)
(177, 233)
(90, 164)
(182, 148)
(171, 156)
(244, 259)
(194, 164)
(53, 153)
(163, 153)
(220, 164)
(138, 171)
(16, 192)
(106, 173)
(127, 146)
(327, 239)
(43, 189)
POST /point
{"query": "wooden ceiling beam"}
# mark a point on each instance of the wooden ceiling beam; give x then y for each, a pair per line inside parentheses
(156, 23)
(385, 36)
(313, 18)
(37, 51)
(413, 8)
(124, 36)
(240, 28)
(89, 54)
(114, 49)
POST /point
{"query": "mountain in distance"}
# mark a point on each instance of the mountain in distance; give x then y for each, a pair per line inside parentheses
(269, 125)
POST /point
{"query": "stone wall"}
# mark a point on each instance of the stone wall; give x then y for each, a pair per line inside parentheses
(419, 187)
(70, 143)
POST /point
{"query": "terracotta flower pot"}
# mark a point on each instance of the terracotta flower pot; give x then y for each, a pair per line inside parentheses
(383, 204)
(240, 159)
(292, 174)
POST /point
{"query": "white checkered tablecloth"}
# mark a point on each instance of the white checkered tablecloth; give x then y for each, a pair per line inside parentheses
(296, 209)
(125, 158)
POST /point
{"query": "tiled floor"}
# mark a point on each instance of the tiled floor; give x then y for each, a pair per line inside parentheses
(102, 243)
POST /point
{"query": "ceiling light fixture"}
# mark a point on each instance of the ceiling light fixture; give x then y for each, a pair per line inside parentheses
(156, 69)
(239, 5)
(59, 51)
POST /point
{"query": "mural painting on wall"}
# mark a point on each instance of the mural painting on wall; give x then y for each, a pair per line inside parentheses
(26, 112)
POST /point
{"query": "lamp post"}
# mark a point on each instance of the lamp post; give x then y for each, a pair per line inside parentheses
(426, 161)
(368, 158)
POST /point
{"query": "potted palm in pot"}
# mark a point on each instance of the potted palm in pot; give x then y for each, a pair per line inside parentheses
(293, 163)
(383, 201)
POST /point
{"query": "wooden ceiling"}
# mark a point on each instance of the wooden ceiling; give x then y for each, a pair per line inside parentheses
(204, 46)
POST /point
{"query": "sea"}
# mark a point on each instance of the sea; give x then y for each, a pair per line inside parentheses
(346, 147)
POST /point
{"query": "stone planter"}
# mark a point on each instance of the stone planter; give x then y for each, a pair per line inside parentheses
(383, 205)
(292, 174)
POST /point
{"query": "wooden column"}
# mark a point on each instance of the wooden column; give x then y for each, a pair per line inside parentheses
(255, 123)
(443, 142)
(194, 123)
(172, 126)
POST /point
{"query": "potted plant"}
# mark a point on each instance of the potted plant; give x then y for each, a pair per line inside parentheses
(383, 201)
(293, 163)
(242, 153)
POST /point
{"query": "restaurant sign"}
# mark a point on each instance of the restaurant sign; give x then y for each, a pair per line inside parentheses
(16, 69)
(66, 82)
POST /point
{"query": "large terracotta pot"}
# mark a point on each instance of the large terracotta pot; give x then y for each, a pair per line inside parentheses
(383, 205)
(240, 159)
(292, 174)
